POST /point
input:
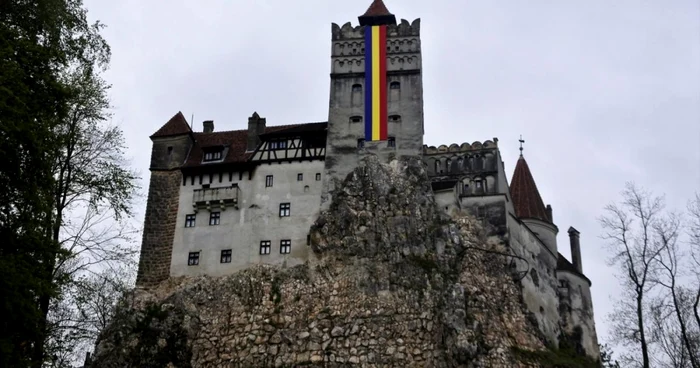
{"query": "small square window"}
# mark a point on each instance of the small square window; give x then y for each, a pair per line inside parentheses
(226, 256)
(215, 218)
(300, 177)
(189, 220)
(268, 181)
(193, 259)
(285, 246)
(265, 247)
(391, 142)
(360, 143)
(318, 176)
(285, 209)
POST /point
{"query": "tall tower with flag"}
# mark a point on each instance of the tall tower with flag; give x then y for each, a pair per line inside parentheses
(376, 94)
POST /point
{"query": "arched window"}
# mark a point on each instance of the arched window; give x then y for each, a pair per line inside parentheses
(448, 163)
(437, 166)
(479, 185)
(357, 88)
(394, 85)
(460, 164)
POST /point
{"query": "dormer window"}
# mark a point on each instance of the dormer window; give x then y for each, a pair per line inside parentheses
(213, 155)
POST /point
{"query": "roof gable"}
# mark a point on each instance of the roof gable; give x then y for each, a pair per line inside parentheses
(175, 126)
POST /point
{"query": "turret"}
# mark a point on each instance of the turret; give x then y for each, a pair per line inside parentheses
(171, 146)
(530, 208)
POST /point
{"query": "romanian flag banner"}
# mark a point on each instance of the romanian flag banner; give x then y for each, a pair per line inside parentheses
(375, 84)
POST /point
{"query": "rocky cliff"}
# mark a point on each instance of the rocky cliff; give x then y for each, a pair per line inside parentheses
(393, 282)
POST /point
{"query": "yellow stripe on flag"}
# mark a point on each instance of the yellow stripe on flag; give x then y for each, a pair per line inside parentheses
(375, 83)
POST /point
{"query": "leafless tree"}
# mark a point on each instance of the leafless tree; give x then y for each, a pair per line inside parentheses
(694, 236)
(667, 230)
(629, 230)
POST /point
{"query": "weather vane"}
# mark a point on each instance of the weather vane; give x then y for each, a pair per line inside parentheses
(521, 144)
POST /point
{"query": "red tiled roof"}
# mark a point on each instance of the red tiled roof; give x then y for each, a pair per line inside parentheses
(175, 126)
(235, 140)
(526, 198)
(377, 9)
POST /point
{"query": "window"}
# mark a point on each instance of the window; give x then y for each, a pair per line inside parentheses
(357, 88)
(268, 181)
(437, 167)
(394, 85)
(391, 142)
(285, 209)
(360, 143)
(278, 144)
(460, 163)
(448, 163)
(285, 246)
(265, 247)
(189, 220)
(318, 176)
(226, 256)
(356, 119)
(214, 218)
(170, 150)
(300, 177)
(395, 118)
(212, 156)
(193, 259)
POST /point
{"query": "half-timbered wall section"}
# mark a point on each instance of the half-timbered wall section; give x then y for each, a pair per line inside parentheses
(306, 142)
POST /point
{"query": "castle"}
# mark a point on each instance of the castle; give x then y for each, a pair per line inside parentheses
(219, 202)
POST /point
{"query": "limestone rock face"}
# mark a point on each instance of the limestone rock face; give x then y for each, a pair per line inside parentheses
(392, 282)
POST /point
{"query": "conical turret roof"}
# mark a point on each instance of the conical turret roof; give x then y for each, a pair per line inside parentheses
(526, 198)
(175, 126)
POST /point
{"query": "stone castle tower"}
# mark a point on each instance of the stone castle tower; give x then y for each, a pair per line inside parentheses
(220, 202)
(404, 79)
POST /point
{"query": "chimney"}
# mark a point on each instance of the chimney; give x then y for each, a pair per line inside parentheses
(208, 126)
(549, 213)
(256, 126)
(575, 249)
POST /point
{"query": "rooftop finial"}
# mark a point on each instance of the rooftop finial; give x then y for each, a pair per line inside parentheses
(521, 145)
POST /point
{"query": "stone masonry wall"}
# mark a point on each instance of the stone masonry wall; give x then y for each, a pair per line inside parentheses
(159, 227)
(392, 282)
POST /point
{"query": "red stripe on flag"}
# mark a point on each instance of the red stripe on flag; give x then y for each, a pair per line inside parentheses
(382, 85)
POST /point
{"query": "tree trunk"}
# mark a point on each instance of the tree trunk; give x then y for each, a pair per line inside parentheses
(640, 324)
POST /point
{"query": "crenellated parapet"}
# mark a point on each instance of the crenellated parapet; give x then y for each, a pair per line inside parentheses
(348, 32)
(403, 48)
(464, 147)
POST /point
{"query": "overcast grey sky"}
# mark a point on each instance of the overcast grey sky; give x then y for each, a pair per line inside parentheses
(602, 91)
